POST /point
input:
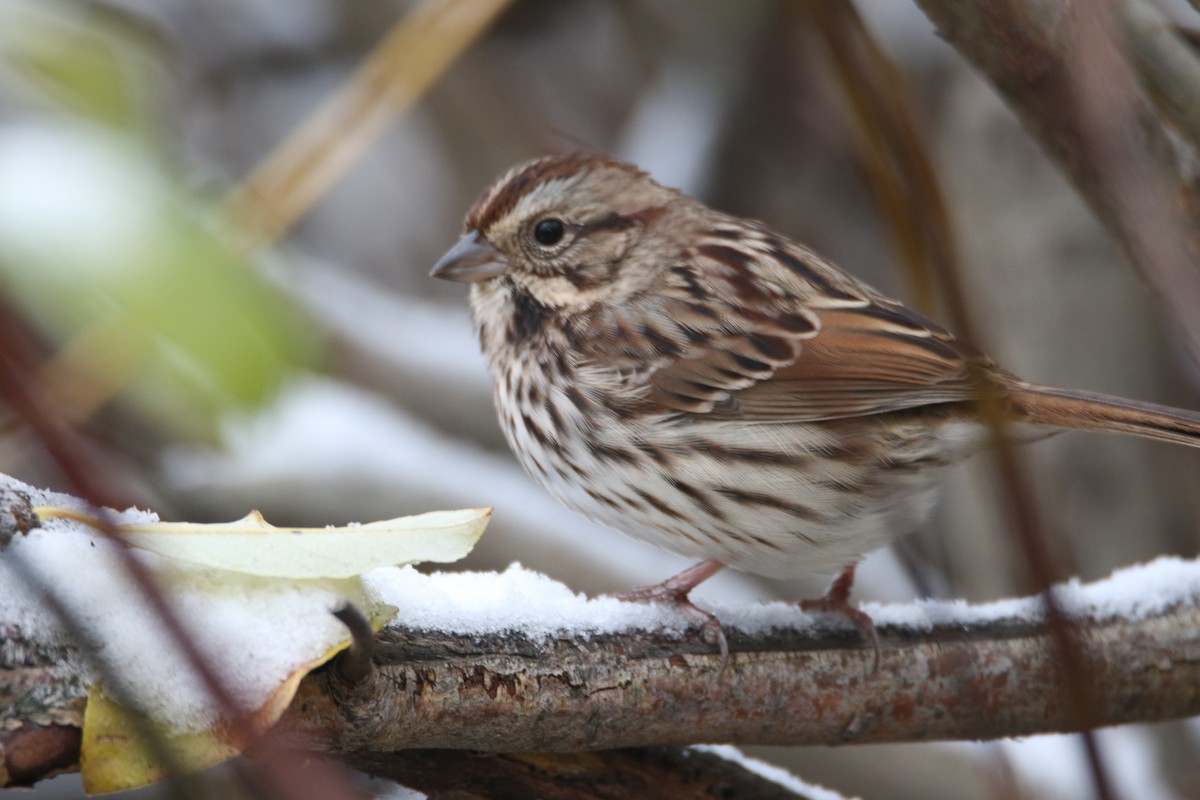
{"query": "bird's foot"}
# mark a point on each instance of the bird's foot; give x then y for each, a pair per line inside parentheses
(674, 591)
(836, 600)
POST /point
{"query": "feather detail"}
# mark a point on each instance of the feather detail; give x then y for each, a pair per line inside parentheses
(757, 335)
(1071, 408)
(870, 360)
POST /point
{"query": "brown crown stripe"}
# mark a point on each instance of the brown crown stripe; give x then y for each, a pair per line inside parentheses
(504, 194)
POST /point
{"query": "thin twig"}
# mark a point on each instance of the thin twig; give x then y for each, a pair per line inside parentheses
(876, 90)
(420, 47)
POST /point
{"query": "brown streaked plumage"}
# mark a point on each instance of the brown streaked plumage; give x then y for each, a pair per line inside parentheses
(707, 385)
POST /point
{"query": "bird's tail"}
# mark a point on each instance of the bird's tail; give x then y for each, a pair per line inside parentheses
(1068, 408)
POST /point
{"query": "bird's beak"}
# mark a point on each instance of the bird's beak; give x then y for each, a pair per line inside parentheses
(471, 260)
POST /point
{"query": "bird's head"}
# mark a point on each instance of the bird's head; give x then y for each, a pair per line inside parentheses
(562, 232)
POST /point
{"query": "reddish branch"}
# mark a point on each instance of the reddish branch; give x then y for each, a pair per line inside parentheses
(514, 693)
(511, 693)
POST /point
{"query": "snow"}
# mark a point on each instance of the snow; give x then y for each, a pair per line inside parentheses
(257, 631)
(516, 599)
(1131, 593)
(398, 792)
(520, 599)
(57, 186)
(775, 774)
(1055, 765)
(253, 632)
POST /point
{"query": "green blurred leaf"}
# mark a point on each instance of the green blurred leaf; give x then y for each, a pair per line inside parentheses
(105, 251)
(94, 237)
(88, 58)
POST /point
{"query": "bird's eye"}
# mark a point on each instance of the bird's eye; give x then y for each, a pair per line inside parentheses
(549, 231)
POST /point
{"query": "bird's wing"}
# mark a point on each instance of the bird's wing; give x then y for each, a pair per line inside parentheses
(808, 344)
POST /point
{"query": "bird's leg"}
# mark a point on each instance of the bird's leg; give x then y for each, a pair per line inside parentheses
(675, 591)
(836, 600)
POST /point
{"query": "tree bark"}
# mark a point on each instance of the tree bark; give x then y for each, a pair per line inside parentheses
(953, 681)
(635, 774)
(956, 676)
(518, 694)
(1112, 93)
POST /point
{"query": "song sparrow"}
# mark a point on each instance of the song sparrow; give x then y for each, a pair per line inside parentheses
(705, 384)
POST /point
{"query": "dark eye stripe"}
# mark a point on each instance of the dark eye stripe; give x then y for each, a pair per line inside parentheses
(613, 222)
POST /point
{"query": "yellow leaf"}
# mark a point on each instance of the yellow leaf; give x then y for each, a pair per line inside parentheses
(114, 757)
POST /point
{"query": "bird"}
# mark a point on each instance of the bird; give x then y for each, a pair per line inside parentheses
(707, 385)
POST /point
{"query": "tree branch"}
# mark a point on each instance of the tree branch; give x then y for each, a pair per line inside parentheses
(516, 693)
(1023, 47)
(1109, 89)
(946, 671)
(952, 681)
(660, 772)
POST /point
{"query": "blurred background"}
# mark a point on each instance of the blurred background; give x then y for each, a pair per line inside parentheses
(229, 304)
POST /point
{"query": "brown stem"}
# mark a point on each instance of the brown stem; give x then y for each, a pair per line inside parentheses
(354, 665)
(515, 693)
(1113, 134)
(634, 774)
(953, 681)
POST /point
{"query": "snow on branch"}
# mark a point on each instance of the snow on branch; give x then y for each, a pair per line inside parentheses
(447, 679)
(516, 662)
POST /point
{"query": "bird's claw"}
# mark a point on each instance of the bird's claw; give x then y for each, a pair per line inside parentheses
(674, 592)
